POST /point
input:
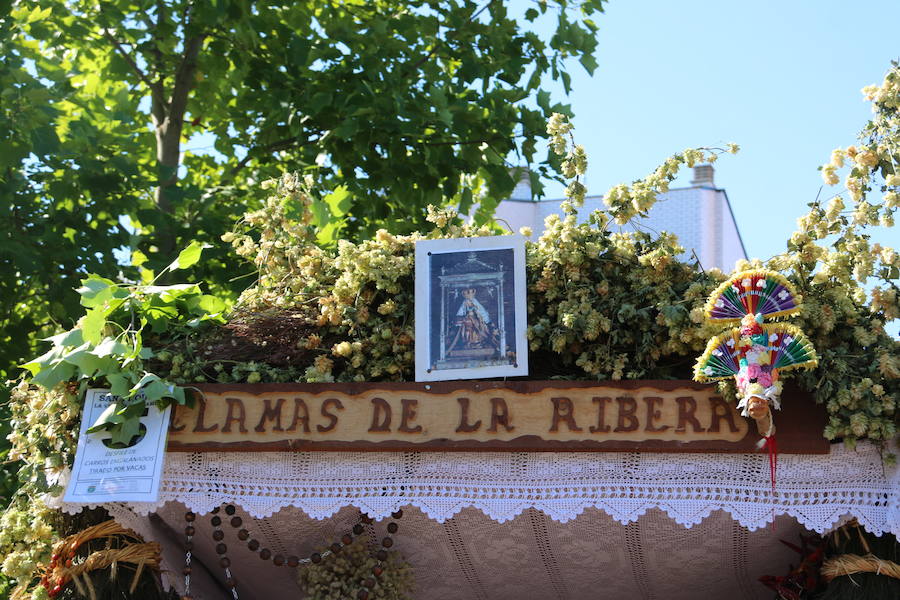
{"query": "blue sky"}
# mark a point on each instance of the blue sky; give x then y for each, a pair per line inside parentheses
(781, 79)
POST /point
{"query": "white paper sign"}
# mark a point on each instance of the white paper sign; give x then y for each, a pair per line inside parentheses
(104, 474)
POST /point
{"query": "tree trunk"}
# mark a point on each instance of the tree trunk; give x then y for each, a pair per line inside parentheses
(168, 120)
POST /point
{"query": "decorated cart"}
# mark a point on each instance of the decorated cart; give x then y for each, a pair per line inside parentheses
(459, 414)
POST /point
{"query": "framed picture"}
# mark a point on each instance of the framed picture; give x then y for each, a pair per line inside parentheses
(470, 308)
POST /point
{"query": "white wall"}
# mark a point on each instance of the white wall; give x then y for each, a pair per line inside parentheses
(699, 216)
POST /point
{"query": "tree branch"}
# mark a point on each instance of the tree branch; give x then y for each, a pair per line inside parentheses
(184, 77)
(272, 147)
(488, 141)
(160, 16)
(127, 57)
(169, 128)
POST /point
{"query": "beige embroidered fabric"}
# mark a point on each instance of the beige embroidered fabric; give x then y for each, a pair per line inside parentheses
(473, 557)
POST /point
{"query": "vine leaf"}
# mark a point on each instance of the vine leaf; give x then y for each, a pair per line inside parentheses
(92, 325)
(189, 256)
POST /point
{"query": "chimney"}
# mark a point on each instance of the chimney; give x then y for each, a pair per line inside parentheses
(522, 190)
(703, 176)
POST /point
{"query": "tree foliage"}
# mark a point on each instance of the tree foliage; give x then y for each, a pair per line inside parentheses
(391, 105)
(388, 104)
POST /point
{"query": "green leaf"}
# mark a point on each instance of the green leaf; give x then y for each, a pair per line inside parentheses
(157, 390)
(92, 325)
(109, 416)
(44, 361)
(567, 81)
(72, 338)
(321, 213)
(56, 373)
(543, 100)
(589, 63)
(110, 346)
(119, 385)
(125, 432)
(138, 258)
(328, 235)
(86, 362)
(170, 293)
(206, 304)
(339, 201)
(465, 202)
(38, 14)
(146, 379)
(189, 256)
(96, 290)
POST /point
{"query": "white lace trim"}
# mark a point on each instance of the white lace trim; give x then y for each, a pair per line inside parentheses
(820, 491)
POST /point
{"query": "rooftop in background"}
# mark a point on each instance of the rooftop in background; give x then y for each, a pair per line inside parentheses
(699, 215)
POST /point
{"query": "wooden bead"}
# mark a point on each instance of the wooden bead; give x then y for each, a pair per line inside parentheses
(229, 510)
(216, 521)
(189, 530)
(224, 562)
(189, 546)
(218, 535)
(221, 548)
(315, 557)
(186, 571)
(397, 514)
(278, 560)
(377, 571)
(387, 542)
(265, 554)
(363, 594)
(230, 582)
(358, 529)
(293, 561)
(336, 548)
(189, 517)
(381, 555)
(243, 535)
(236, 522)
(369, 582)
(253, 545)
(392, 528)
(347, 539)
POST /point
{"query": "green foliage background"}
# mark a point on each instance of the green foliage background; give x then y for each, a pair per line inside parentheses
(390, 105)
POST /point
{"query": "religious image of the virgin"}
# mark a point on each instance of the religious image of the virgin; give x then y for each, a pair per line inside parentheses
(474, 331)
(470, 308)
(473, 313)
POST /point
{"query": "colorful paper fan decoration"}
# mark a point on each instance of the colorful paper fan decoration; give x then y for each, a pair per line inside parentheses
(720, 360)
(752, 293)
(756, 352)
(790, 347)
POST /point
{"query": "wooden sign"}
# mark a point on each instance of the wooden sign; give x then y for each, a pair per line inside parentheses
(664, 416)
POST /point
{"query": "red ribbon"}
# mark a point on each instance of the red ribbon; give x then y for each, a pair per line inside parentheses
(772, 447)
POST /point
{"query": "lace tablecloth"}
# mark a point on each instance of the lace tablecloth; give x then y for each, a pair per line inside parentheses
(820, 491)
